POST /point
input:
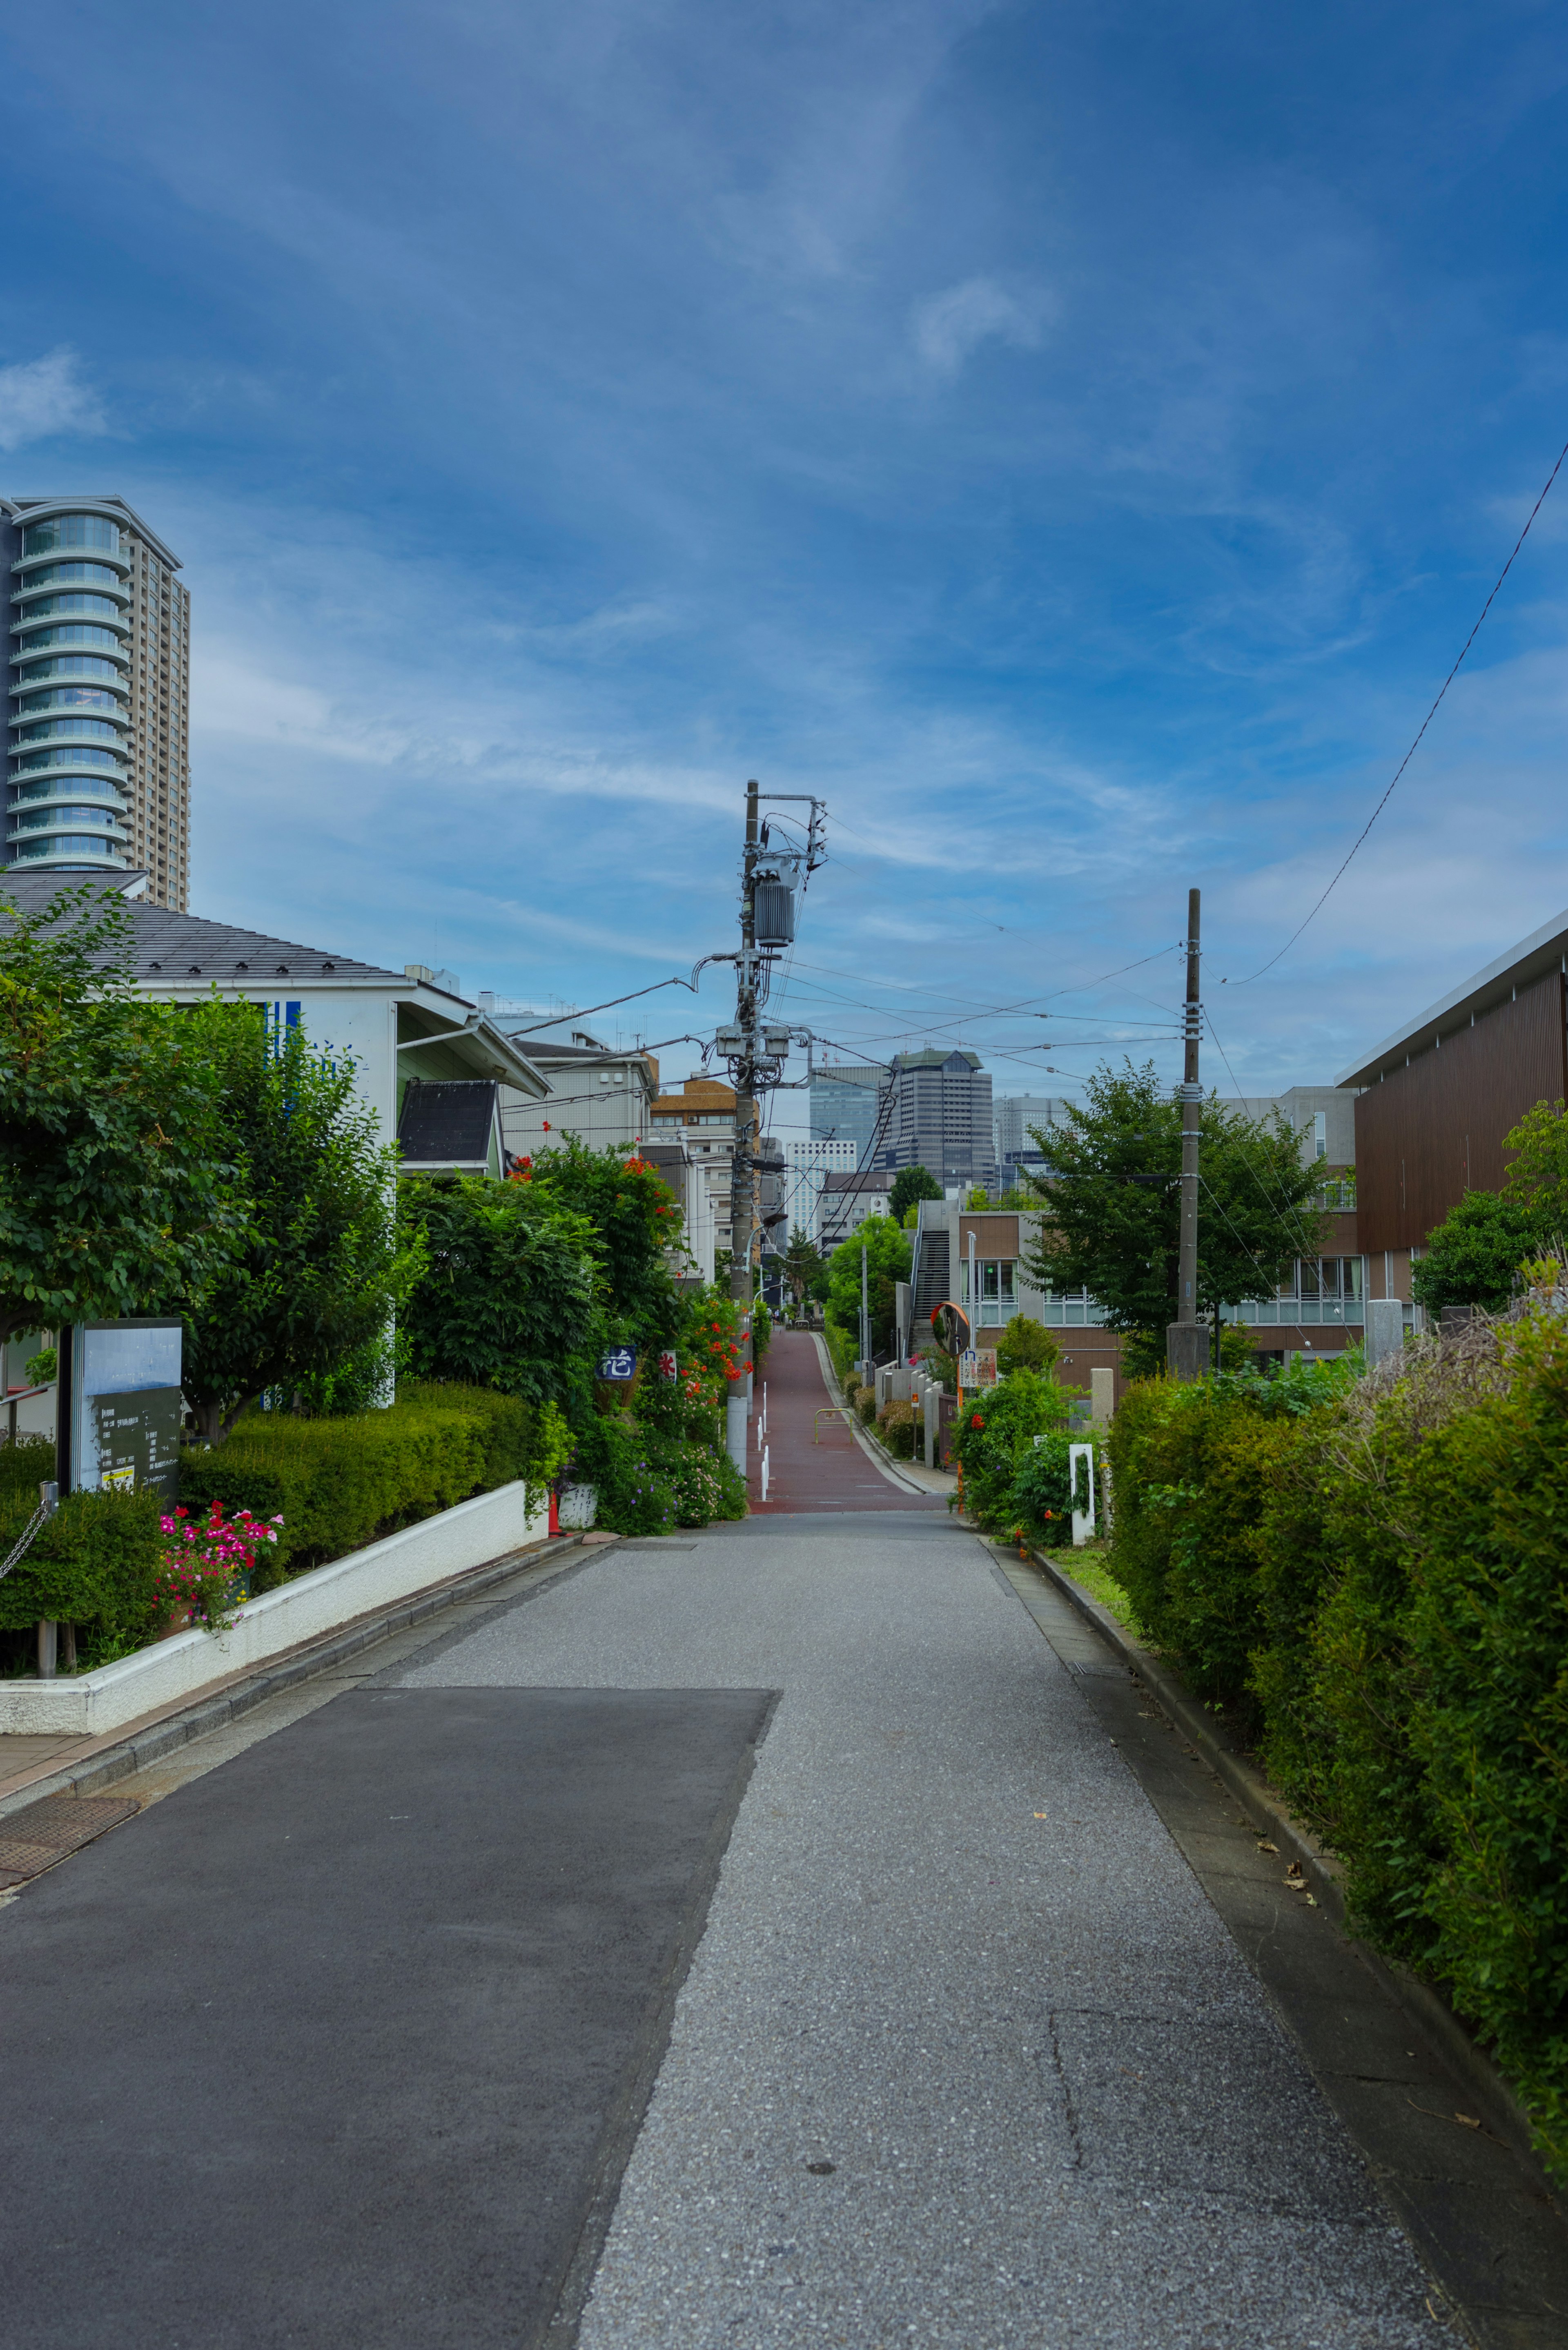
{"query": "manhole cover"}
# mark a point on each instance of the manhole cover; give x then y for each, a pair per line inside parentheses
(40, 1834)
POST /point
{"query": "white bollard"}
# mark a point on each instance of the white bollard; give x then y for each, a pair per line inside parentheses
(1082, 1520)
(764, 1472)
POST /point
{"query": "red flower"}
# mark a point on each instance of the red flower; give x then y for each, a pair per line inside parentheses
(977, 1421)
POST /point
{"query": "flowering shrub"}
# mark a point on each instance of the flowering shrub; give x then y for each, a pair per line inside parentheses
(203, 1567)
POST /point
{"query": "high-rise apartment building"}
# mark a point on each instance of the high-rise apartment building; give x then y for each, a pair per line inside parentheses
(98, 773)
(809, 1165)
(844, 1103)
(936, 1114)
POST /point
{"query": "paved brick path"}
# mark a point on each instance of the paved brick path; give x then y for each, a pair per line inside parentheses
(804, 1473)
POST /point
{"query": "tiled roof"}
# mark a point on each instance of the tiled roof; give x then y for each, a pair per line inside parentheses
(170, 947)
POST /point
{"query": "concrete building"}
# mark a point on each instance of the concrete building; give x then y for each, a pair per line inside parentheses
(702, 1115)
(602, 1095)
(848, 1199)
(935, 1112)
(1323, 1119)
(99, 775)
(807, 1164)
(1432, 1103)
(844, 1103)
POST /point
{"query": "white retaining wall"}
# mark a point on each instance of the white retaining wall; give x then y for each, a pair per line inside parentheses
(86, 1704)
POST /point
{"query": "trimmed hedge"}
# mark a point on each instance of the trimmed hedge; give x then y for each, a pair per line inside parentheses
(91, 1565)
(1375, 1570)
(340, 1483)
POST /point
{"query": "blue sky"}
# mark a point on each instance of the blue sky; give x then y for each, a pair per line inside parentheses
(1073, 441)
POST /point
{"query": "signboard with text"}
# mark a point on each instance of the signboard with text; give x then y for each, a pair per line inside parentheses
(968, 1368)
(126, 1407)
(620, 1362)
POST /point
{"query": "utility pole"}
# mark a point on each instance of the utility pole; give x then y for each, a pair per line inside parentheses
(1187, 1338)
(865, 1312)
(742, 1182)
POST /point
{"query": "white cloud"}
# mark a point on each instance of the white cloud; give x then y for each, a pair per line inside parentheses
(39, 398)
(949, 327)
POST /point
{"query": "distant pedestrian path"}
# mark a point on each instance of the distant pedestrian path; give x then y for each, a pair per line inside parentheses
(813, 1464)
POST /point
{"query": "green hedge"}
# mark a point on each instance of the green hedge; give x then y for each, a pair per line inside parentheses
(1376, 1569)
(993, 1442)
(91, 1565)
(342, 1482)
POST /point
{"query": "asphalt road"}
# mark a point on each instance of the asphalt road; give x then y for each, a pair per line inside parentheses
(343, 2042)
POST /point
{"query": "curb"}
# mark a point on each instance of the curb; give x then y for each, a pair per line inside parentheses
(193, 1720)
(1426, 2011)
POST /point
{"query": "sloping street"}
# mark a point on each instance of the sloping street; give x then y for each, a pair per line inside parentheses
(741, 1938)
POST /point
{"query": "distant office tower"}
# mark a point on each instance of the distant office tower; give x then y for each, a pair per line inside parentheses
(1016, 1115)
(844, 1103)
(98, 772)
(936, 1114)
(809, 1164)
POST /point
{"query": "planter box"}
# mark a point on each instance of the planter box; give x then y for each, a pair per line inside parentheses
(86, 1705)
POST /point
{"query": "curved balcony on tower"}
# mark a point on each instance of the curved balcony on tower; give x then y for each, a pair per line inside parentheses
(68, 752)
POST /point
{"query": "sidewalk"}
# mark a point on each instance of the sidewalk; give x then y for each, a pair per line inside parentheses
(817, 1460)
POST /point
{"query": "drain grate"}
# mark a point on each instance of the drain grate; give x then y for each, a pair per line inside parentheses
(33, 1838)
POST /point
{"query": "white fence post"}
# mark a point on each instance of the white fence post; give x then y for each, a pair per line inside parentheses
(1082, 1520)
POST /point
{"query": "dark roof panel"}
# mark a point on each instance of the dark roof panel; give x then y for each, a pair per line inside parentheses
(170, 947)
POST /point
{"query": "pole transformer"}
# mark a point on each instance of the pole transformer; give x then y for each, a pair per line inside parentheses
(1187, 1338)
(743, 1166)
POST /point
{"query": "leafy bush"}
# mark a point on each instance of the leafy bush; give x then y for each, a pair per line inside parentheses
(1025, 1344)
(895, 1427)
(636, 1493)
(1040, 1499)
(865, 1402)
(94, 1564)
(993, 1433)
(23, 1466)
(704, 1482)
(340, 1483)
(1474, 1255)
(1376, 1566)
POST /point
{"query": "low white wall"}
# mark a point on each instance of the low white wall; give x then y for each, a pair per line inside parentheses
(88, 1704)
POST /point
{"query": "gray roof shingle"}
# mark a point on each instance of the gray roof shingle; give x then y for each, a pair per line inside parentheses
(170, 947)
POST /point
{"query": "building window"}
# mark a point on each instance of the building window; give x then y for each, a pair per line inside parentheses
(996, 1281)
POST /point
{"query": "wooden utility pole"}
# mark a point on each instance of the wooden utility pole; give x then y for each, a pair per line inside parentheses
(1187, 1338)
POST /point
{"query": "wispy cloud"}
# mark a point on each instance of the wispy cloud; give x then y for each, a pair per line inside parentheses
(949, 328)
(40, 398)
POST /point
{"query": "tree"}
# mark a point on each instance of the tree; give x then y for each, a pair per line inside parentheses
(507, 1296)
(317, 1274)
(114, 1186)
(636, 1221)
(1537, 1178)
(909, 1185)
(1112, 1201)
(1473, 1256)
(886, 1262)
(801, 1262)
(1025, 1344)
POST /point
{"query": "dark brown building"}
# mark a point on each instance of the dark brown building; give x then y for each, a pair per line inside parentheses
(1434, 1101)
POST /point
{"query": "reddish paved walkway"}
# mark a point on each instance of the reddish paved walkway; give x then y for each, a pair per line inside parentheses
(834, 1474)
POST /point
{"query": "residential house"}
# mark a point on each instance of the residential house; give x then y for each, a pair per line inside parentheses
(847, 1197)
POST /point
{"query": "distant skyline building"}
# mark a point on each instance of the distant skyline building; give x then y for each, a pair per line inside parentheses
(809, 1165)
(98, 701)
(1014, 1114)
(936, 1113)
(844, 1103)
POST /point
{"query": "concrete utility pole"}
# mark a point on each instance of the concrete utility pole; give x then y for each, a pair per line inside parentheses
(864, 1311)
(1187, 1338)
(742, 1167)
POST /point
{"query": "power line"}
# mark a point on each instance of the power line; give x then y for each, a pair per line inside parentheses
(1416, 745)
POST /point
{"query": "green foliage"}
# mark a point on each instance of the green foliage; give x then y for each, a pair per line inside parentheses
(1473, 1256)
(1378, 1571)
(315, 1277)
(895, 1427)
(40, 1368)
(622, 1461)
(636, 1218)
(1040, 1498)
(1537, 1178)
(1025, 1344)
(114, 1186)
(994, 1433)
(761, 1331)
(704, 1482)
(1119, 1237)
(1235, 1348)
(910, 1186)
(340, 1483)
(802, 1264)
(507, 1298)
(886, 1263)
(24, 1466)
(94, 1564)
